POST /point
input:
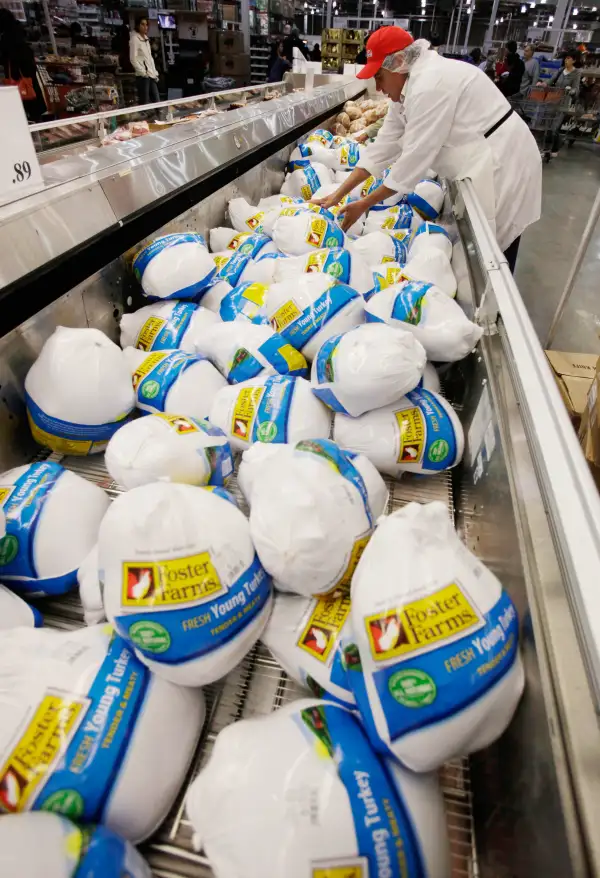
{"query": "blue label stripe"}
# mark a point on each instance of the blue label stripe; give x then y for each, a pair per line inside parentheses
(105, 855)
(422, 207)
(430, 228)
(245, 366)
(300, 331)
(400, 252)
(175, 328)
(341, 462)
(272, 416)
(439, 428)
(233, 268)
(218, 456)
(236, 304)
(328, 398)
(68, 430)
(92, 761)
(165, 374)
(197, 630)
(337, 264)
(384, 832)
(271, 351)
(253, 245)
(408, 303)
(145, 256)
(325, 375)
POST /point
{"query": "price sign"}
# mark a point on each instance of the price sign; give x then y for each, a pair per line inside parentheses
(19, 168)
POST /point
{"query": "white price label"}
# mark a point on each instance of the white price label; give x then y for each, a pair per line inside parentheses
(19, 168)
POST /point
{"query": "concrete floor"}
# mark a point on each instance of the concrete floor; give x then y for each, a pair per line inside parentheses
(571, 182)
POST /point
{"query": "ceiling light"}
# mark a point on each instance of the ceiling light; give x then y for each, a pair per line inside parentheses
(594, 8)
(574, 27)
(501, 21)
(532, 5)
(523, 8)
(535, 24)
(576, 12)
(550, 19)
(496, 22)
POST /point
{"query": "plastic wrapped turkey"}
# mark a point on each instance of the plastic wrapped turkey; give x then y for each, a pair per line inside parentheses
(440, 674)
(79, 713)
(52, 521)
(305, 180)
(336, 211)
(168, 326)
(289, 794)
(247, 243)
(182, 581)
(392, 219)
(78, 391)
(304, 232)
(245, 217)
(309, 310)
(431, 266)
(343, 266)
(366, 368)
(174, 382)
(419, 433)
(312, 153)
(174, 267)
(14, 611)
(246, 301)
(310, 536)
(430, 236)
(427, 199)
(242, 350)
(435, 319)
(378, 247)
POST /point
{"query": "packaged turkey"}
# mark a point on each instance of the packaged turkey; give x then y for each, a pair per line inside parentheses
(304, 232)
(430, 267)
(168, 326)
(419, 433)
(392, 219)
(357, 228)
(322, 136)
(366, 368)
(430, 236)
(427, 199)
(78, 391)
(306, 179)
(435, 319)
(182, 581)
(340, 264)
(14, 611)
(311, 153)
(242, 350)
(174, 382)
(244, 216)
(440, 674)
(277, 409)
(45, 845)
(246, 243)
(85, 713)
(290, 794)
(52, 521)
(310, 534)
(174, 267)
(173, 448)
(309, 310)
(378, 247)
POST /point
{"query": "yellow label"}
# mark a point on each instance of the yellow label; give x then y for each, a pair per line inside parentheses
(357, 550)
(147, 366)
(41, 745)
(180, 424)
(169, 583)
(366, 186)
(238, 240)
(244, 412)
(148, 333)
(388, 223)
(255, 293)
(293, 358)
(324, 625)
(254, 222)
(318, 138)
(351, 868)
(77, 447)
(447, 614)
(220, 261)
(401, 234)
(285, 315)
(388, 259)
(315, 261)
(306, 192)
(5, 494)
(412, 434)
(343, 154)
(316, 233)
(290, 211)
(390, 276)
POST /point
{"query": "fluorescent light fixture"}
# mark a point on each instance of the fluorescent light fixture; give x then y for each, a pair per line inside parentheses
(574, 27)
(496, 22)
(501, 21)
(523, 8)
(535, 24)
(576, 12)
(550, 19)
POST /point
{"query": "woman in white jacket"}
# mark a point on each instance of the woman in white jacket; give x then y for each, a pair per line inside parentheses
(448, 116)
(146, 74)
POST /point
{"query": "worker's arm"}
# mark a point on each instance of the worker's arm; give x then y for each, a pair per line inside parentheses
(535, 75)
(357, 176)
(376, 157)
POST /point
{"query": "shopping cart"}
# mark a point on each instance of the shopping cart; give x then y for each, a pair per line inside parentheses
(543, 109)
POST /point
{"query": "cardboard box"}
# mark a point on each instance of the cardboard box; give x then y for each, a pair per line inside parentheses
(231, 65)
(589, 431)
(225, 42)
(229, 13)
(574, 374)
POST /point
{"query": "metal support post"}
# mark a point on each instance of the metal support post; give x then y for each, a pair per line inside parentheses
(489, 34)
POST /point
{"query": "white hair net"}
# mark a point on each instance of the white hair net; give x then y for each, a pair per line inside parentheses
(401, 62)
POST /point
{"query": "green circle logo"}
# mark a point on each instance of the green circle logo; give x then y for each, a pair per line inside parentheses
(150, 636)
(9, 547)
(267, 431)
(332, 242)
(150, 389)
(335, 269)
(246, 248)
(66, 802)
(412, 688)
(439, 450)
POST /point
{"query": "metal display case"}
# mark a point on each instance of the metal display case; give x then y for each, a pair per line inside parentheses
(522, 498)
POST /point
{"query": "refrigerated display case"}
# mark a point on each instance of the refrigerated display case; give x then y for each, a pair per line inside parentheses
(522, 499)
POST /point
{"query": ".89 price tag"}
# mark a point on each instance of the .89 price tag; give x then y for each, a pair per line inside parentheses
(19, 167)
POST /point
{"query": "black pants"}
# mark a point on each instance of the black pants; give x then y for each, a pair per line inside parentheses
(511, 253)
(147, 90)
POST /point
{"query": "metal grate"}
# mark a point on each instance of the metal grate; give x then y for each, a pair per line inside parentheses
(259, 686)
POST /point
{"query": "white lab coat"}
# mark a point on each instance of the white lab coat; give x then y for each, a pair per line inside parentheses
(140, 54)
(448, 106)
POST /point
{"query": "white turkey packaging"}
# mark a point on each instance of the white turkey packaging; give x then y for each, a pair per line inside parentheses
(305, 180)
(85, 714)
(244, 216)
(306, 635)
(78, 391)
(419, 433)
(301, 792)
(52, 521)
(44, 845)
(174, 267)
(358, 227)
(313, 508)
(313, 307)
(15, 612)
(430, 236)
(298, 232)
(366, 368)
(440, 675)
(310, 153)
(182, 581)
(431, 267)
(170, 448)
(435, 319)
(90, 592)
(392, 219)
(242, 350)
(378, 247)
(427, 199)
(342, 265)
(246, 243)
(168, 326)
(174, 382)
(277, 409)
(246, 301)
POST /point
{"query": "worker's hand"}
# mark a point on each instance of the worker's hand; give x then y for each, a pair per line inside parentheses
(329, 201)
(362, 137)
(351, 213)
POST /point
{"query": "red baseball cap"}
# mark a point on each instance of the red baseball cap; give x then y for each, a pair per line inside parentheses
(382, 43)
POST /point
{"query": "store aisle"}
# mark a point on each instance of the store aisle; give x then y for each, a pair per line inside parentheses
(548, 248)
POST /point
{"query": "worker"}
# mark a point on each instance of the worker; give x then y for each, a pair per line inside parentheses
(448, 116)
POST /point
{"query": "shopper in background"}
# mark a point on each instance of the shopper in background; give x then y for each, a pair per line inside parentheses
(361, 56)
(280, 66)
(509, 82)
(445, 116)
(291, 41)
(435, 42)
(18, 61)
(531, 73)
(569, 78)
(500, 67)
(140, 53)
(315, 55)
